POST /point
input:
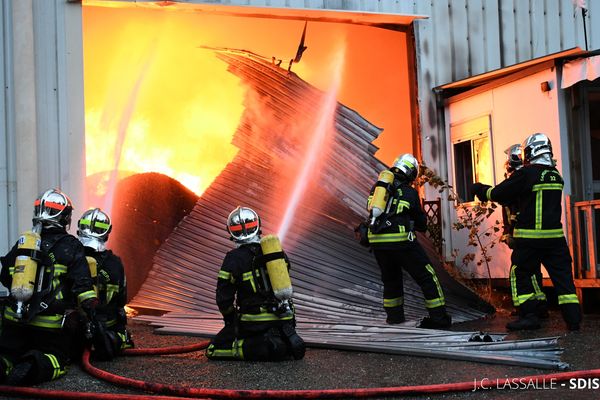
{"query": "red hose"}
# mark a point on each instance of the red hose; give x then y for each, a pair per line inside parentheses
(61, 394)
(167, 350)
(326, 393)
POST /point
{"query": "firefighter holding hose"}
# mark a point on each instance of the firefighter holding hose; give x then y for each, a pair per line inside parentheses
(395, 214)
(108, 332)
(49, 280)
(254, 295)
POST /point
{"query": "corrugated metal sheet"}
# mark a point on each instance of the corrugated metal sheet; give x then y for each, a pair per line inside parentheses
(332, 274)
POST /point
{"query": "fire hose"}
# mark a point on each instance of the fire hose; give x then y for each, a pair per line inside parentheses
(182, 392)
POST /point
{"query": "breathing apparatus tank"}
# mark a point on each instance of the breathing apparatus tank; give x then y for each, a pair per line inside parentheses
(277, 269)
(380, 194)
(23, 279)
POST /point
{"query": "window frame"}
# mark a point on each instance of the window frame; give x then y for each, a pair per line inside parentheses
(469, 131)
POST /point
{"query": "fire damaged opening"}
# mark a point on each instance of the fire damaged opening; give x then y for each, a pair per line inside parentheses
(168, 111)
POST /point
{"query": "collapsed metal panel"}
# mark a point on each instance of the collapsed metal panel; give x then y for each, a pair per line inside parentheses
(337, 287)
(333, 276)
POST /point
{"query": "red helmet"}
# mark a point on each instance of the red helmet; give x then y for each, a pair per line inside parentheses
(243, 224)
(53, 208)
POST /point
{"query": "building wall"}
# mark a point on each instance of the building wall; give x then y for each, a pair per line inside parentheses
(42, 135)
(43, 109)
(517, 109)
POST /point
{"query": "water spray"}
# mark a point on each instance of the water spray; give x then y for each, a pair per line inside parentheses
(325, 125)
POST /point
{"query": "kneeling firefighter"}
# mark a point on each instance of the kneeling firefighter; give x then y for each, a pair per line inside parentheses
(108, 331)
(254, 295)
(395, 212)
(50, 286)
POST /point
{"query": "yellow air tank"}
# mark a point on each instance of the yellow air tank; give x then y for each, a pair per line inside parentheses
(380, 195)
(93, 266)
(23, 279)
(277, 268)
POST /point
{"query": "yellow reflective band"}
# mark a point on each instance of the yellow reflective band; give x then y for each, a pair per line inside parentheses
(538, 233)
(387, 237)
(408, 163)
(224, 275)
(524, 297)
(513, 286)
(8, 365)
(538, 210)
(401, 205)
(110, 323)
(488, 193)
(90, 294)
(440, 300)
(111, 290)
(58, 372)
(11, 269)
(433, 303)
(247, 276)
(263, 317)
(547, 186)
(398, 301)
(42, 321)
(568, 299)
(539, 293)
(60, 269)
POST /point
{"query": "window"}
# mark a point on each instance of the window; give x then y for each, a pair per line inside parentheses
(472, 155)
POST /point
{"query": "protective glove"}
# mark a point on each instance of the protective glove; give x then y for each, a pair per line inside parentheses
(89, 305)
(478, 189)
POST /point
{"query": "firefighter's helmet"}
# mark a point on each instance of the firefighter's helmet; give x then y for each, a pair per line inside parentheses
(243, 224)
(407, 165)
(94, 223)
(53, 208)
(537, 149)
(514, 159)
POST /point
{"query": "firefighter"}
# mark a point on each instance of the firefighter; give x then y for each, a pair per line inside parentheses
(514, 162)
(37, 335)
(538, 235)
(259, 321)
(109, 334)
(395, 214)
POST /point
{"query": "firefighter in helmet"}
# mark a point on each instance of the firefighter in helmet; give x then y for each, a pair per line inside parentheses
(538, 235)
(49, 280)
(108, 330)
(254, 296)
(396, 213)
(514, 162)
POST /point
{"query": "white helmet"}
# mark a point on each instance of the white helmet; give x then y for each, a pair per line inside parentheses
(243, 224)
(93, 228)
(537, 149)
(407, 165)
(514, 158)
(53, 208)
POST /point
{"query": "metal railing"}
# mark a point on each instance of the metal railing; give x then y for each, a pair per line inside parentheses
(583, 226)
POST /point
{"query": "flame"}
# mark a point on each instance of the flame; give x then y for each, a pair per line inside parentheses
(155, 102)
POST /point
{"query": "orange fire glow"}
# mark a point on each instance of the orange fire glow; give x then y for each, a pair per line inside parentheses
(155, 101)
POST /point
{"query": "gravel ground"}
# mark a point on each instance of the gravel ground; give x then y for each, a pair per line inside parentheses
(327, 369)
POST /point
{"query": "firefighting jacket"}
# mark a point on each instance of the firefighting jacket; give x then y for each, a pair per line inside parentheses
(66, 280)
(112, 289)
(405, 215)
(243, 287)
(537, 192)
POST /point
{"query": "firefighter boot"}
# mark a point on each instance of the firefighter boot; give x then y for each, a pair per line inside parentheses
(525, 322)
(438, 319)
(395, 315)
(542, 310)
(21, 373)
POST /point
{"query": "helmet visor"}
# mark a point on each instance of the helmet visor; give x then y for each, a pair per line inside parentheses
(47, 209)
